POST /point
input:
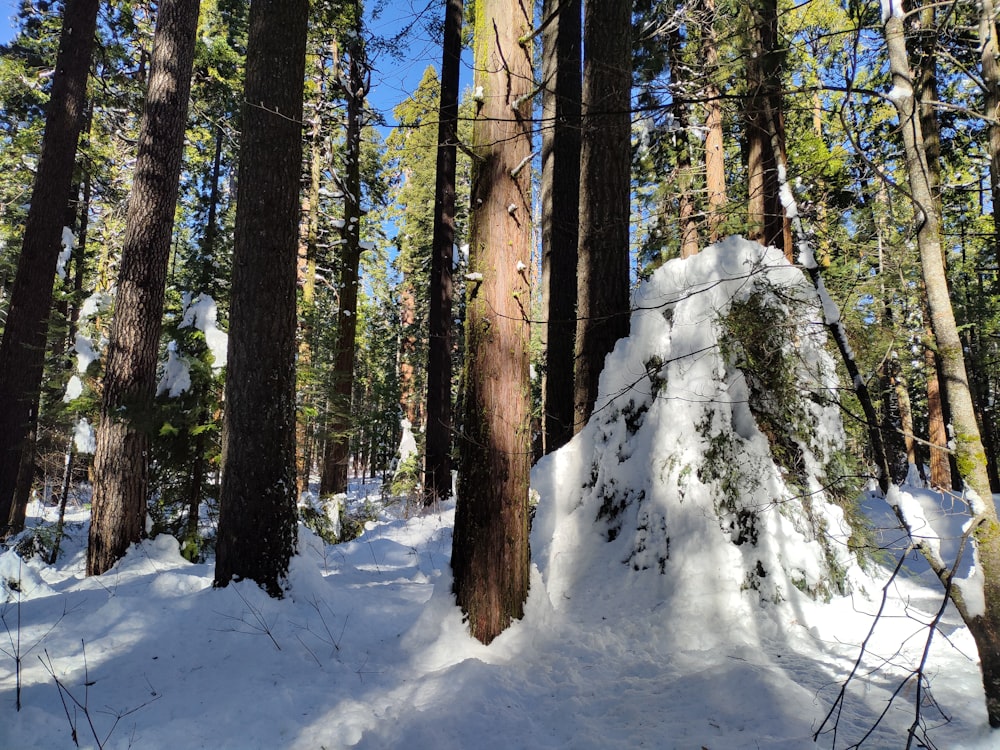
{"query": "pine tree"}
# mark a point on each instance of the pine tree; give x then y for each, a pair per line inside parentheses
(120, 464)
(605, 160)
(257, 518)
(23, 345)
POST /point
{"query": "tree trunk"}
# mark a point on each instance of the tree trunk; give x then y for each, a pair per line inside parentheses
(765, 214)
(605, 173)
(22, 350)
(121, 465)
(490, 549)
(971, 459)
(257, 521)
(437, 461)
(715, 151)
(560, 197)
(690, 243)
(990, 66)
(338, 445)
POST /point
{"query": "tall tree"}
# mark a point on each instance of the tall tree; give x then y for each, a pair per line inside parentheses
(121, 468)
(971, 459)
(490, 549)
(338, 445)
(437, 461)
(766, 217)
(715, 151)
(257, 518)
(605, 161)
(22, 350)
(560, 188)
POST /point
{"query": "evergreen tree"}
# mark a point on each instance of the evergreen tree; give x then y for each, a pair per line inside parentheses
(257, 519)
(23, 344)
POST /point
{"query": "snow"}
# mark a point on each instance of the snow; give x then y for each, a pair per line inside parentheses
(176, 377)
(368, 650)
(86, 353)
(202, 313)
(68, 243)
(408, 442)
(891, 8)
(83, 437)
(74, 389)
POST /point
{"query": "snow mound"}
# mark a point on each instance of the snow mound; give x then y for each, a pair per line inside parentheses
(707, 456)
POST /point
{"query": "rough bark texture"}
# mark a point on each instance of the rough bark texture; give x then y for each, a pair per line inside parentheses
(437, 467)
(338, 441)
(257, 522)
(121, 469)
(560, 196)
(605, 161)
(971, 458)
(22, 351)
(490, 549)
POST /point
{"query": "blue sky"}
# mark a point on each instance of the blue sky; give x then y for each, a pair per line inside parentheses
(7, 9)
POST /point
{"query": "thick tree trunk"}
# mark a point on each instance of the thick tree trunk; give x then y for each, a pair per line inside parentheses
(605, 172)
(437, 462)
(971, 459)
(22, 350)
(338, 450)
(490, 549)
(121, 467)
(257, 521)
(560, 196)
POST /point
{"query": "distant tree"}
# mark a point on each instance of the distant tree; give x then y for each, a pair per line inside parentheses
(257, 515)
(437, 464)
(22, 350)
(121, 469)
(605, 161)
(490, 548)
(339, 428)
(560, 196)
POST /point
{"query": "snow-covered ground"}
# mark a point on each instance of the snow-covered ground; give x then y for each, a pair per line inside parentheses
(369, 651)
(661, 614)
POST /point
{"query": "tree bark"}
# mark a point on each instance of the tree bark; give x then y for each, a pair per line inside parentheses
(971, 458)
(560, 197)
(121, 466)
(990, 67)
(605, 172)
(22, 350)
(437, 460)
(490, 548)
(257, 517)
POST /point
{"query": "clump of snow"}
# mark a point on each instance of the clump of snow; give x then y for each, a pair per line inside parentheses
(176, 377)
(74, 389)
(98, 302)
(203, 314)
(408, 442)
(83, 437)
(86, 353)
(68, 242)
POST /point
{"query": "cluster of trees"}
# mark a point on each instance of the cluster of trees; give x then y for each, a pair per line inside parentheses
(216, 165)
